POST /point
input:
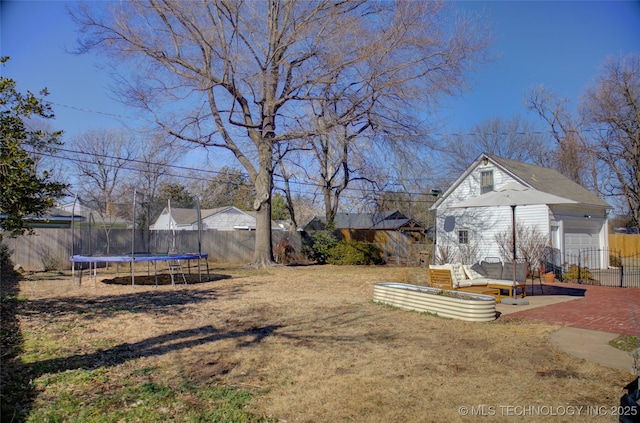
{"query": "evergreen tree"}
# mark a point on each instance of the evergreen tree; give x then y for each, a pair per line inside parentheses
(24, 190)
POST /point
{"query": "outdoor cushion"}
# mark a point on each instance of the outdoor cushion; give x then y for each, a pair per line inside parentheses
(466, 282)
(493, 270)
(502, 282)
(521, 271)
(478, 269)
(458, 271)
(471, 274)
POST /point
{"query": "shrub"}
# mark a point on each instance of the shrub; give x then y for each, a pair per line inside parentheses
(355, 253)
(614, 261)
(5, 257)
(573, 273)
(284, 252)
(50, 262)
(318, 245)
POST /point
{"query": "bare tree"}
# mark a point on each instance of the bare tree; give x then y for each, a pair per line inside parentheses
(229, 187)
(572, 156)
(612, 106)
(102, 158)
(530, 244)
(514, 138)
(336, 156)
(246, 75)
(153, 163)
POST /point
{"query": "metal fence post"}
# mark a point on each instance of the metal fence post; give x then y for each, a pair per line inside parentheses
(579, 267)
(621, 269)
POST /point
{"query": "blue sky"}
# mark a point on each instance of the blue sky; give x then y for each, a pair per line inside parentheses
(557, 44)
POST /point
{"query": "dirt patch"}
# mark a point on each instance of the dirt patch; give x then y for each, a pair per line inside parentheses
(163, 279)
(312, 345)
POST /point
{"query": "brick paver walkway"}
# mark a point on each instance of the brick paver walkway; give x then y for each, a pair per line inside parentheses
(602, 308)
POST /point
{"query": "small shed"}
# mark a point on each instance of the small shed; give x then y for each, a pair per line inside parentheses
(401, 238)
(380, 227)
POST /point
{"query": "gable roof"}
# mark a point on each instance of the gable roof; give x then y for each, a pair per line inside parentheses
(537, 177)
(389, 220)
(550, 181)
(190, 216)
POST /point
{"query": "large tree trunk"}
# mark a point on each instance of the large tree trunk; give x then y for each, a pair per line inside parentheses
(263, 254)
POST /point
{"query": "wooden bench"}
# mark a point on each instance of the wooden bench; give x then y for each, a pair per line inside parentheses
(441, 278)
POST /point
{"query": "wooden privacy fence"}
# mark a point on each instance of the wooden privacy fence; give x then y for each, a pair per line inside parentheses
(408, 254)
(626, 244)
(50, 249)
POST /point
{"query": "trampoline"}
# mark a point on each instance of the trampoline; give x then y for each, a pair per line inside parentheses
(93, 261)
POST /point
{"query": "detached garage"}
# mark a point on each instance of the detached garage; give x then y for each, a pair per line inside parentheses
(575, 228)
(580, 237)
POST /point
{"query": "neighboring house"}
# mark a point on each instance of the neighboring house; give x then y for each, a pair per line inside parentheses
(53, 218)
(470, 234)
(381, 227)
(219, 219)
(94, 217)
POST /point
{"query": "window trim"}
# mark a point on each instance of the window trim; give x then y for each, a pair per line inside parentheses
(486, 188)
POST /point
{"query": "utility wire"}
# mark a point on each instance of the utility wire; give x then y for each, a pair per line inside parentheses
(414, 135)
(216, 173)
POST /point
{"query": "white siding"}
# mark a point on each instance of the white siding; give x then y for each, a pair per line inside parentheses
(162, 223)
(581, 228)
(482, 223)
(569, 227)
(226, 220)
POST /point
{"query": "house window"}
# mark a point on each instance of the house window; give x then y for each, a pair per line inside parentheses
(463, 237)
(486, 181)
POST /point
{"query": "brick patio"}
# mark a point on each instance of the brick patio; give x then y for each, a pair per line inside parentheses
(615, 310)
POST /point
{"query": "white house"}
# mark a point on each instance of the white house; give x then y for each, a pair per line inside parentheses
(470, 234)
(227, 218)
(94, 217)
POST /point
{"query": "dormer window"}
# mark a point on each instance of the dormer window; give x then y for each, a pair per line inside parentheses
(486, 181)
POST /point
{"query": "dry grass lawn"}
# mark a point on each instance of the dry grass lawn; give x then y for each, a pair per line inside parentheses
(313, 347)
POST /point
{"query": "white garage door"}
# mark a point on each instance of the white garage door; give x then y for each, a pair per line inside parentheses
(578, 238)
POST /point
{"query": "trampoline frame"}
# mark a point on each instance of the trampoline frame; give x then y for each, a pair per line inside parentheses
(132, 259)
(135, 257)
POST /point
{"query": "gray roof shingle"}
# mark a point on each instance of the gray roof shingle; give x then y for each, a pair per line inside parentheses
(549, 180)
(381, 221)
(189, 216)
